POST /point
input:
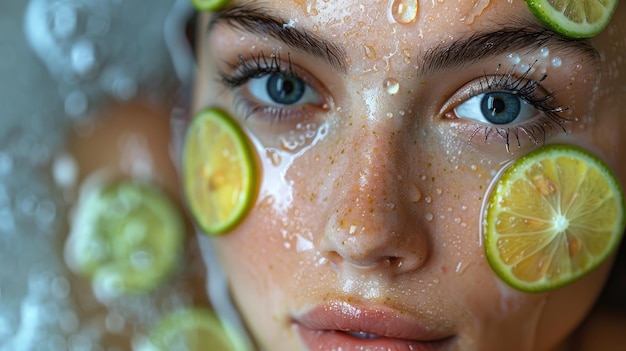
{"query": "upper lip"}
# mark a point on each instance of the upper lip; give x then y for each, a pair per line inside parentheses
(378, 320)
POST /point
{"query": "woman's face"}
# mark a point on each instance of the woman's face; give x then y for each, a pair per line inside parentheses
(373, 178)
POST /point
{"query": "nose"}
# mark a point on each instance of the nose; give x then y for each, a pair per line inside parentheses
(373, 224)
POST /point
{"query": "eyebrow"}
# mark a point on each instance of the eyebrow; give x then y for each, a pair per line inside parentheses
(257, 19)
(524, 37)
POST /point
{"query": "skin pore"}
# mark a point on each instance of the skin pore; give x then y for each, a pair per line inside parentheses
(372, 183)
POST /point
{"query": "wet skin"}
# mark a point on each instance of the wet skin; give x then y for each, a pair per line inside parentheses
(370, 199)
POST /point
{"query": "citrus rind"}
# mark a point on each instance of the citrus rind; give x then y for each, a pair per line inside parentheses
(219, 172)
(542, 231)
(209, 5)
(574, 19)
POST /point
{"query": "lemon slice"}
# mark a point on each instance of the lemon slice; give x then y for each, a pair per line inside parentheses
(192, 329)
(555, 215)
(219, 172)
(574, 18)
(209, 5)
(126, 236)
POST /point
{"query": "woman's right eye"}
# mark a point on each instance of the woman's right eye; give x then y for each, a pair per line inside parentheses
(279, 89)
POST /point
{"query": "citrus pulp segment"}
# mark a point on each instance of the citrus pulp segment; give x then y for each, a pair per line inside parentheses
(192, 329)
(127, 237)
(555, 215)
(574, 18)
(219, 171)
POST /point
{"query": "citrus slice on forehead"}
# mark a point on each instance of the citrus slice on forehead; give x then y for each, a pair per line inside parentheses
(192, 329)
(209, 5)
(554, 215)
(574, 18)
(219, 171)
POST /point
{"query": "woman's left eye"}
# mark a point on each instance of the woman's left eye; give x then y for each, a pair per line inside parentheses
(498, 108)
(282, 90)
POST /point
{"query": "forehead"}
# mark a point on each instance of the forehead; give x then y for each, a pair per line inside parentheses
(410, 22)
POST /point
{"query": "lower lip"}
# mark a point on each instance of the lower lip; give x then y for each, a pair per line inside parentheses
(327, 340)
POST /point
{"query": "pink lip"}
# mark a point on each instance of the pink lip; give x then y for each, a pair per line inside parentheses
(328, 327)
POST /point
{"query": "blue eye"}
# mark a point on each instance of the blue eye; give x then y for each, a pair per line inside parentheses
(496, 107)
(281, 89)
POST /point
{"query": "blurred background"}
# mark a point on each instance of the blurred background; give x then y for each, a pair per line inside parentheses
(91, 93)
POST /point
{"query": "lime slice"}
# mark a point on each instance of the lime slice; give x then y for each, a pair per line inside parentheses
(555, 215)
(209, 5)
(126, 236)
(574, 18)
(192, 329)
(219, 172)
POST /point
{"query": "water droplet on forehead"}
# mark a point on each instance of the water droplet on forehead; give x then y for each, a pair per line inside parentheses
(391, 86)
(404, 11)
(370, 52)
(415, 193)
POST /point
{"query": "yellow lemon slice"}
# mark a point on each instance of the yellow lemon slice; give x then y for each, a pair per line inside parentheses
(209, 5)
(574, 18)
(192, 329)
(219, 172)
(126, 236)
(555, 215)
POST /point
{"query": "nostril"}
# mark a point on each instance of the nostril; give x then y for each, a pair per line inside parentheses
(393, 261)
(334, 258)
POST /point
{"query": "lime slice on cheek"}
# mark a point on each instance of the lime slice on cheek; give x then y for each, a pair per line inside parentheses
(555, 215)
(219, 172)
(574, 18)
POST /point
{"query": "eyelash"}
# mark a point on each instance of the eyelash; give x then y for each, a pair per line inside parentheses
(526, 89)
(257, 66)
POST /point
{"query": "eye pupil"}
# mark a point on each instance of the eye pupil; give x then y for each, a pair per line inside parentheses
(500, 107)
(285, 89)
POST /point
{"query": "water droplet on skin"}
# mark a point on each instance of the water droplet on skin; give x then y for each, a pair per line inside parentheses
(513, 58)
(477, 10)
(429, 216)
(439, 191)
(415, 193)
(544, 52)
(274, 157)
(428, 199)
(389, 114)
(404, 11)
(391, 86)
(556, 62)
(370, 52)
